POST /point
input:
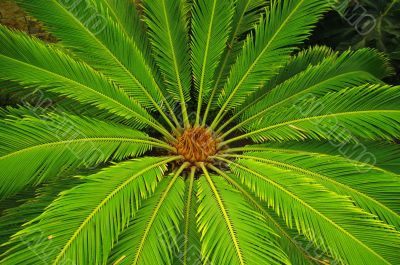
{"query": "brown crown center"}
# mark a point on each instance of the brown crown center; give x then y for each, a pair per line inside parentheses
(196, 145)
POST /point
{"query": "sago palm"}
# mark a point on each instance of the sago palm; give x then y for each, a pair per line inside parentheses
(194, 132)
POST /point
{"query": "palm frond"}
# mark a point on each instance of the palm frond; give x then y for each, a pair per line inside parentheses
(38, 102)
(152, 234)
(376, 191)
(127, 15)
(300, 250)
(368, 112)
(22, 100)
(296, 64)
(34, 149)
(10, 92)
(30, 205)
(98, 209)
(247, 14)
(333, 74)
(187, 7)
(286, 23)
(289, 238)
(33, 63)
(88, 30)
(18, 112)
(332, 221)
(231, 231)
(169, 35)
(189, 246)
(19, 99)
(379, 155)
(210, 29)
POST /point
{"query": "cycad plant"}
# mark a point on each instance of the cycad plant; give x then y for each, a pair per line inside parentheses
(194, 132)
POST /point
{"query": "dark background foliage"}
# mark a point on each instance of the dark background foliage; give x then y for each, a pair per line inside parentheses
(363, 23)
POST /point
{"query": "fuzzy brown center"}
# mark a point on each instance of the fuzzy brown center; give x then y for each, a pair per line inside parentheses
(196, 145)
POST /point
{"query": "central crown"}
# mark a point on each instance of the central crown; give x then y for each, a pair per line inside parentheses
(196, 144)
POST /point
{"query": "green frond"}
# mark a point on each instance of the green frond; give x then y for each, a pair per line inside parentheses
(98, 209)
(368, 112)
(296, 64)
(38, 103)
(30, 205)
(210, 29)
(374, 190)
(35, 64)
(289, 238)
(10, 92)
(332, 221)
(332, 74)
(247, 14)
(17, 112)
(377, 155)
(34, 149)
(299, 62)
(168, 34)
(189, 246)
(126, 14)
(300, 250)
(231, 231)
(287, 23)
(31, 100)
(91, 33)
(187, 7)
(151, 236)
(246, 17)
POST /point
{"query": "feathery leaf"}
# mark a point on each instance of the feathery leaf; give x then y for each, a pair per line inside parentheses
(169, 36)
(151, 235)
(368, 112)
(98, 209)
(377, 155)
(286, 23)
(88, 30)
(210, 28)
(247, 14)
(330, 220)
(35, 64)
(34, 149)
(373, 190)
(231, 231)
